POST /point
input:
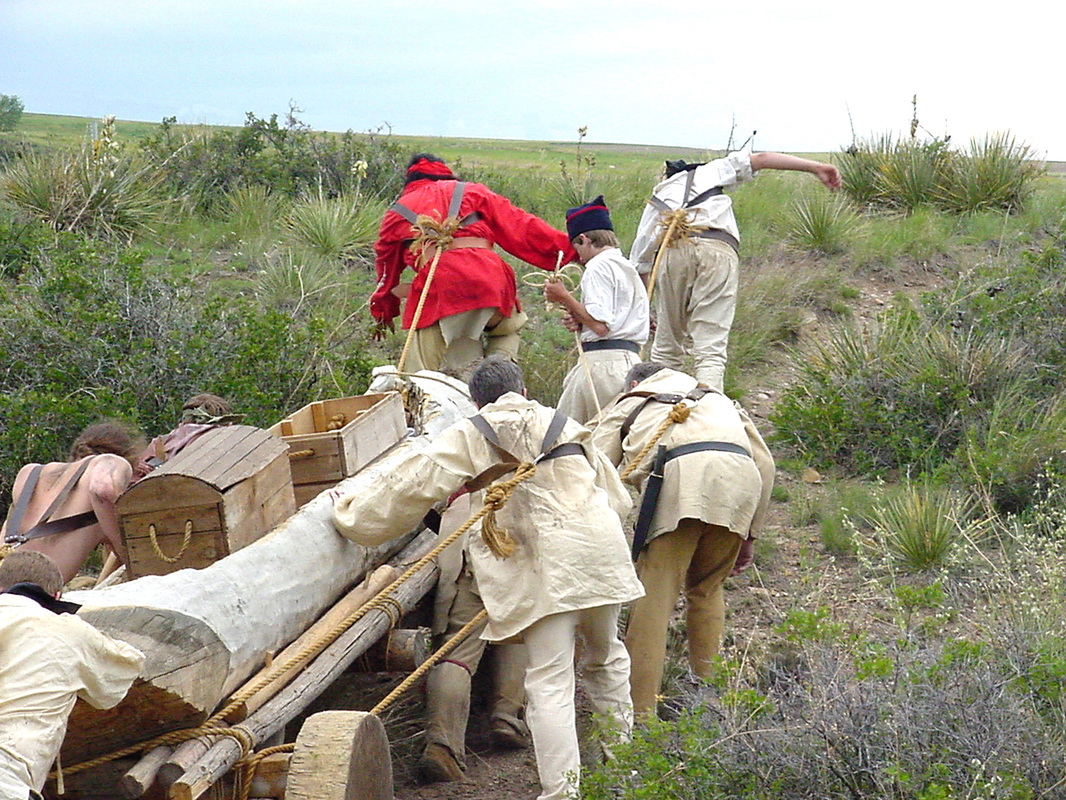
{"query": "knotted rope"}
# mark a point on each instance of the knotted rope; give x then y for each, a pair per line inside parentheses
(498, 539)
(676, 228)
(679, 412)
(439, 236)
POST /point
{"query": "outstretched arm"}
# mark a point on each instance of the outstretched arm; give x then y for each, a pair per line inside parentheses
(108, 477)
(826, 173)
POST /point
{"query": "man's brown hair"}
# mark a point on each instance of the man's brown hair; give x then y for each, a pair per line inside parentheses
(214, 405)
(29, 566)
(109, 436)
(600, 237)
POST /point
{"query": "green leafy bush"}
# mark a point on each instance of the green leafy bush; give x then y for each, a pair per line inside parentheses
(11, 109)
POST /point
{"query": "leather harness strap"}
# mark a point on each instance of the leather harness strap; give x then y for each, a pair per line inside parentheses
(453, 211)
(658, 397)
(511, 462)
(46, 526)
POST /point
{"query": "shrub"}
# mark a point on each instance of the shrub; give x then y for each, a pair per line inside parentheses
(998, 173)
(335, 228)
(11, 109)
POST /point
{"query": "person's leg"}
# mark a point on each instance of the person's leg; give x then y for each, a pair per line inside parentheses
(712, 306)
(605, 667)
(427, 349)
(705, 617)
(508, 729)
(462, 338)
(448, 690)
(671, 296)
(550, 703)
(661, 566)
(504, 338)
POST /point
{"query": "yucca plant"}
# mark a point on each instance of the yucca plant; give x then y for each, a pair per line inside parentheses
(999, 173)
(914, 173)
(819, 223)
(291, 282)
(920, 527)
(254, 210)
(334, 227)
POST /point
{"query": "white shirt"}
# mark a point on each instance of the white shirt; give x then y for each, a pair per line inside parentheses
(47, 661)
(714, 212)
(613, 293)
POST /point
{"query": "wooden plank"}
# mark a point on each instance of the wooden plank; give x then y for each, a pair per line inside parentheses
(306, 492)
(204, 548)
(266, 516)
(372, 433)
(211, 456)
(163, 490)
(245, 459)
(319, 418)
(326, 463)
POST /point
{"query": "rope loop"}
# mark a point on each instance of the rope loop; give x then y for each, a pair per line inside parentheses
(676, 227)
(679, 412)
(184, 543)
(433, 234)
(497, 539)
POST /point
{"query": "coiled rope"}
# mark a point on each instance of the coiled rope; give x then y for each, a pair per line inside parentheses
(676, 228)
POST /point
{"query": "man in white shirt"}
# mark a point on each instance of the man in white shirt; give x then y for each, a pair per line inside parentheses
(48, 659)
(612, 315)
(690, 220)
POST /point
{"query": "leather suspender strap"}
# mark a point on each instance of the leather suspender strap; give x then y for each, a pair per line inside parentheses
(659, 397)
(547, 452)
(453, 208)
(46, 526)
(457, 199)
(653, 486)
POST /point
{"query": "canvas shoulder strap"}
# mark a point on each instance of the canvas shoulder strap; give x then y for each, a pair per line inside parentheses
(453, 208)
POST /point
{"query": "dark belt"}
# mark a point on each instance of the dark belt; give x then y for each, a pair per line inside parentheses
(650, 501)
(720, 235)
(565, 449)
(611, 344)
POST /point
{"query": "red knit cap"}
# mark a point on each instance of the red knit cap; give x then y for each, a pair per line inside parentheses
(435, 169)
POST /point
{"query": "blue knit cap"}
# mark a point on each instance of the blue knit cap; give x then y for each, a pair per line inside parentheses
(592, 216)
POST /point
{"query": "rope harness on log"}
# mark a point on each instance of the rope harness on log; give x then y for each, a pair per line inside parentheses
(215, 727)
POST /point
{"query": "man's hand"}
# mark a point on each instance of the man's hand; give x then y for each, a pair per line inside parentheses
(555, 292)
(570, 323)
(744, 557)
(382, 328)
(829, 175)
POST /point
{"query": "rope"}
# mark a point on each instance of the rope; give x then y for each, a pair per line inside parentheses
(296, 455)
(679, 412)
(677, 228)
(496, 495)
(430, 662)
(497, 539)
(563, 276)
(434, 234)
(184, 543)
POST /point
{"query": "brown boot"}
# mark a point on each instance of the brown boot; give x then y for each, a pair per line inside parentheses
(438, 764)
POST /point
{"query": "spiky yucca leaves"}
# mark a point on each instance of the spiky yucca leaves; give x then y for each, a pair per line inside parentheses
(999, 173)
(335, 227)
(821, 223)
(114, 198)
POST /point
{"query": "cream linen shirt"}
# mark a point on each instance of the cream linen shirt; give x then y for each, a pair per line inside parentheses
(717, 487)
(714, 212)
(571, 551)
(47, 661)
(613, 293)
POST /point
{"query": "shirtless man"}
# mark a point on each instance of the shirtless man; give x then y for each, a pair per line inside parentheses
(65, 509)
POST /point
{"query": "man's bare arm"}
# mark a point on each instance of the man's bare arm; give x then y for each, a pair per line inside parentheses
(826, 173)
(108, 477)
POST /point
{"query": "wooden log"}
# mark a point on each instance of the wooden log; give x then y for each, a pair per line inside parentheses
(184, 756)
(401, 650)
(355, 599)
(142, 774)
(205, 632)
(270, 776)
(341, 755)
(295, 697)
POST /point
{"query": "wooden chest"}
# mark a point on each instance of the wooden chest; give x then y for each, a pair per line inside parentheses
(222, 492)
(330, 440)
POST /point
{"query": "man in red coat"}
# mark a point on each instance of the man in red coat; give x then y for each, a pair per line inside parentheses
(471, 309)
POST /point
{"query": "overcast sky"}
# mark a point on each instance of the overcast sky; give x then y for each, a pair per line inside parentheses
(803, 74)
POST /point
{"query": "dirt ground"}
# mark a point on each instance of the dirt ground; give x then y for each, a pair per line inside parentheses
(755, 601)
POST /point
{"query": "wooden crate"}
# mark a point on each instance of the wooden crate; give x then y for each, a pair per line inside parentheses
(225, 490)
(330, 440)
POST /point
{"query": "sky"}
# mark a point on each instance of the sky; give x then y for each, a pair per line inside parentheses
(803, 76)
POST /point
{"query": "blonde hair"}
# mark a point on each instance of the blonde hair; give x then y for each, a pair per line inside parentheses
(600, 237)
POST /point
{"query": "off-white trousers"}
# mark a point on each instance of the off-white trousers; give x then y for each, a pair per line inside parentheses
(598, 380)
(456, 343)
(695, 301)
(550, 684)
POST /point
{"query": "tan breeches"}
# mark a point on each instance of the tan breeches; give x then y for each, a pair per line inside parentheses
(696, 558)
(603, 380)
(695, 301)
(456, 343)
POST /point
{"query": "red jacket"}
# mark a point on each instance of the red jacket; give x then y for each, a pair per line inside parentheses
(466, 278)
